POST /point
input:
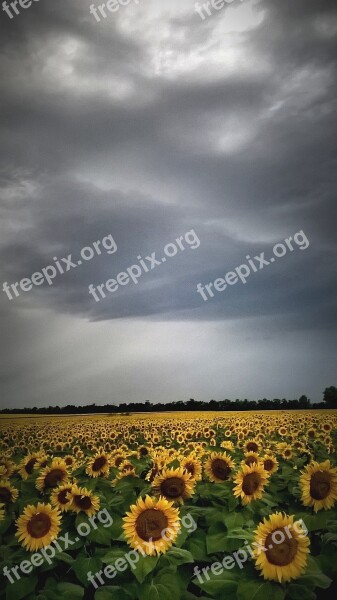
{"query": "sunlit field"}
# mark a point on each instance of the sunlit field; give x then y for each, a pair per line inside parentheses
(235, 506)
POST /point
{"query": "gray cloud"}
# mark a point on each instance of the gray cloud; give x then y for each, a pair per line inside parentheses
(145, 126)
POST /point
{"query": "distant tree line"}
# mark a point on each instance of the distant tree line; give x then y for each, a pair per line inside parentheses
(329, 401)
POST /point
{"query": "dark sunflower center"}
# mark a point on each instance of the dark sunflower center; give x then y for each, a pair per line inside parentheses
(62, 496)
(39, 525)
(5, 495)
(118, 461)
(281, 554)
(190, 468)
(268, 464)
(150, 525)
(252, 447)
(29, 466)
(99, 463)
(69, 461)
(320, 485)
(127, 468)
(173, 487)
(143, 451)
(82, 502)
(53, 478)
(250, 483)
(220, 469)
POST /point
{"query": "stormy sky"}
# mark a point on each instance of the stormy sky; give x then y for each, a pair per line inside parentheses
(146, 125)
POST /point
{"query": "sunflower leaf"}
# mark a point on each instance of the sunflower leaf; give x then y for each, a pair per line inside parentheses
(259, 590)
(144, 566)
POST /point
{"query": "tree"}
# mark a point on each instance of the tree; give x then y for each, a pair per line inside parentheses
(330, 396)
(304, 401)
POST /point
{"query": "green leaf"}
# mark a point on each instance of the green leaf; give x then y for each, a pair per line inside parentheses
(314, 577)
(300, 592)
(5, 524)
(166, 585)
(112, 555)
(196, 544)
(189, 596)
(144, 566)
(220, 585)
(70, 591)
(82, 565)
(64, 557)
(178, 556)
(233, 521)
(318, 521)
(101, 535)
(111, 592)
(152, 591)
(259, 590)
(216, 538)
(21, 588)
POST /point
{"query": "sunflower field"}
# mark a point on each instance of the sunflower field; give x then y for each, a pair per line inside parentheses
(183, 506)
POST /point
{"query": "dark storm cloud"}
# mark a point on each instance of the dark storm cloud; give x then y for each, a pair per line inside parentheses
(231, 134)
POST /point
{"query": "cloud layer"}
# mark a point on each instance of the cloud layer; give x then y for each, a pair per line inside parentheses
(147, 125)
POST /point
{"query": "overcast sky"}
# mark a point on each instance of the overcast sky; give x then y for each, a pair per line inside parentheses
(144, 126)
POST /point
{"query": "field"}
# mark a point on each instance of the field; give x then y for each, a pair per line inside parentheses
(235, 506)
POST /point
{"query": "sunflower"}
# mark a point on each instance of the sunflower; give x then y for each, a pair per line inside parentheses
(157, 466)
(218, 467)
(8, 493)
(41, 462)
(270, 463)
(143, 451)
(174, 484)
(70, 461)
(7, 467)
(281, 551)
(251, 458)
(98, 465)
(283, 431)
(2, 512)
(250, 482)
(38, 526)
(227, 445)
(52, 476)
(252, 445)
(61, 497)
(118, 459)
(318, 483)
(151, 526)
(83, 500)
(287, 453)
(26, 466)
(126, 469)
(192, 465)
